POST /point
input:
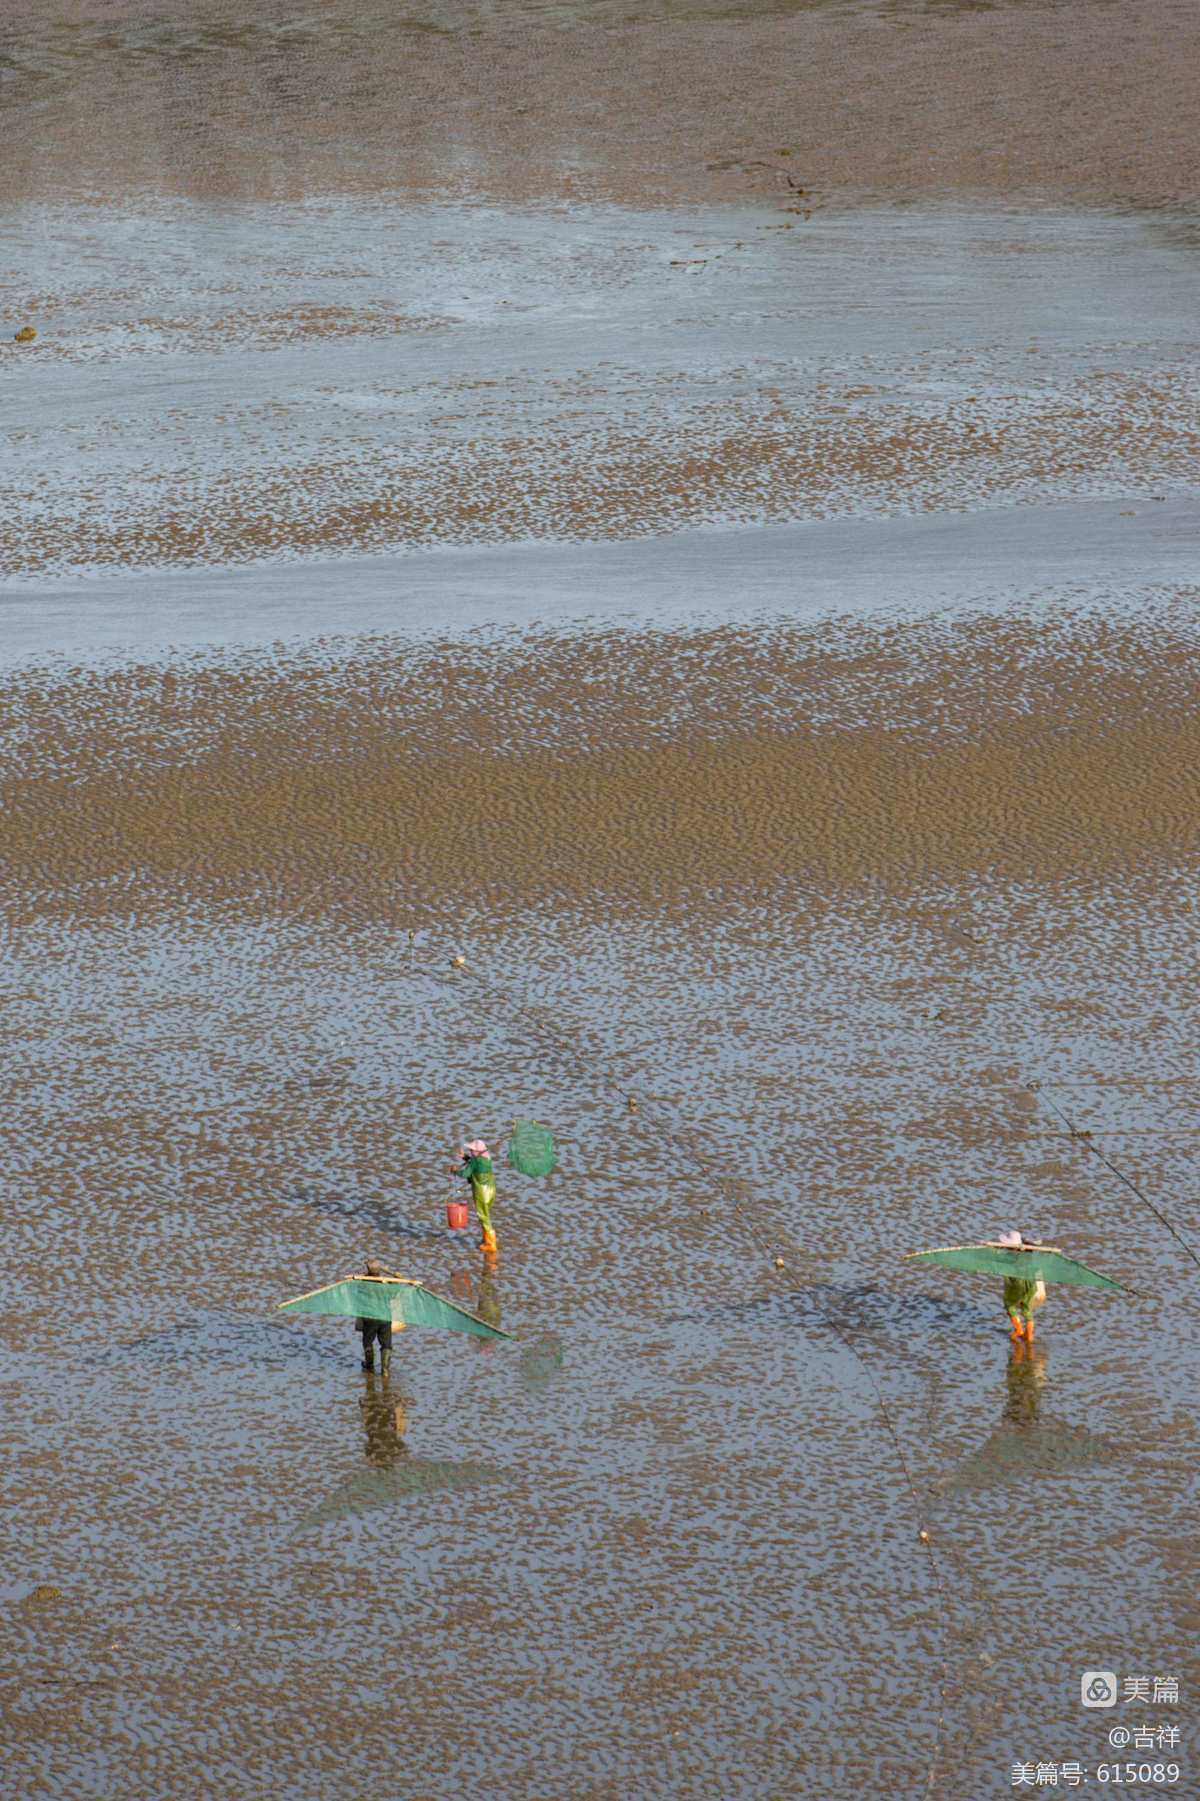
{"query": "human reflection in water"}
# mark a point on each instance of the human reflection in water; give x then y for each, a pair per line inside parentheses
(1027, 1443)
(483, 1299)
(1026, 1379)
(487, 1305)
(385, 1421)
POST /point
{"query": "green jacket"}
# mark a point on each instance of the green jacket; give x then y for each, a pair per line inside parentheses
(1018, 1294)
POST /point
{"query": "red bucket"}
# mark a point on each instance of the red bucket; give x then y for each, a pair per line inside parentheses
(457, 1215)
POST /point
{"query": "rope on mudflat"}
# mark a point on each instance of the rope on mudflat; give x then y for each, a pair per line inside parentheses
(844, 1333)
(776, 1247)
(1037, 1089)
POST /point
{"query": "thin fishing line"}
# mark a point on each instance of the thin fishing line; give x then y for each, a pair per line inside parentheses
(580, 1062)
(771, 1247)
(1125, 1132)
(844, 1335)
(1037, 1090)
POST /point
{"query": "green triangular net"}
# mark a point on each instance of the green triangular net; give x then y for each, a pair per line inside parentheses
(531, 1148)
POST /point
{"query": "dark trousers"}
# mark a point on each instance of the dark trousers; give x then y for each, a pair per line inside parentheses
(371, 1330)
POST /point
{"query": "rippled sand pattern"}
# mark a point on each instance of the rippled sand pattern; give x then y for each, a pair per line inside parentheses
(696, 469)
(333, 378)
(664, 1532)
(710, 665)
(1011, 746)
(705, 1446)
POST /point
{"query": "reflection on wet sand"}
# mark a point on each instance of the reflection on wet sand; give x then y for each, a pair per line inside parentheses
(1029, 1445)
(823, 886)
(487, 1303)
(1026, 1377)
(385, 1420)
(682, 101)
(541, 1360)
(401, 1477)
(395, 1473)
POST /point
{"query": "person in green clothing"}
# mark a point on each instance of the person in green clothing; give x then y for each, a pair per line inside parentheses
(476, 1168)
(1020, 1295)
(1018, 1304)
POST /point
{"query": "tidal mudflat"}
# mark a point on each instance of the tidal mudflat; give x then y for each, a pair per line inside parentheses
(755, 628)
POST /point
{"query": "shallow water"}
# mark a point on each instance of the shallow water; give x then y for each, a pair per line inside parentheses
(760, 637)
(668, 1529)
(661, 101)
(340, 378)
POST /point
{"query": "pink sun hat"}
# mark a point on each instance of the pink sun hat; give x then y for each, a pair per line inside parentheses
(475, 1147)
(1012, 1239)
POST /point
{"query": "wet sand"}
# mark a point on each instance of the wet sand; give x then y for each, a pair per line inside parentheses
(344, 378)
(445, 518)
(385, 787)
(827, 958)
(670, 102)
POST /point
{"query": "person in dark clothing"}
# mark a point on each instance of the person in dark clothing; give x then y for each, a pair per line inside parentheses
(372, 1329)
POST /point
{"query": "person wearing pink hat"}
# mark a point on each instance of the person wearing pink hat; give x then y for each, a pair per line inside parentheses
(1020, 1296)
(476, 1168)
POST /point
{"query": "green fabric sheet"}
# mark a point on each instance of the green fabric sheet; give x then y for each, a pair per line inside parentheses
(403, 1303)
(1034, 1265)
